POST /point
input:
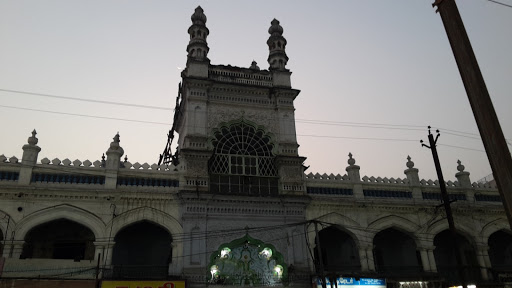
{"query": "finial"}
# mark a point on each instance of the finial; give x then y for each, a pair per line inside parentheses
(460, 167)
(409, 163)
(116, 138)
(198, 16)
(125, 158)
(351, 161)
(32, 140)
(254, 66)
(275, 29)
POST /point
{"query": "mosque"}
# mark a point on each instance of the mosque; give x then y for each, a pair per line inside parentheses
(233, 205)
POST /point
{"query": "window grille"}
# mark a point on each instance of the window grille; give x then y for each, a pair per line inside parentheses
(243, 162)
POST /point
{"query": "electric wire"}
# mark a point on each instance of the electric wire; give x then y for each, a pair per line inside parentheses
(87, 100)
(500, 3)
(305, 121)
(167, 124)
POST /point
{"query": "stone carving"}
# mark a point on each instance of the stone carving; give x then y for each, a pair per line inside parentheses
(291, 173)
(197, 167)
(217, 115)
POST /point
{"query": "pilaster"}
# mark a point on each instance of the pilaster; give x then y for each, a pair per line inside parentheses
(29, 159)
(413, 178)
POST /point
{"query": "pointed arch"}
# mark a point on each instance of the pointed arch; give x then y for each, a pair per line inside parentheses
(392, 221)
(346, 225)
(64, 211)
(494, 226)
(441, 225)
(150, 214)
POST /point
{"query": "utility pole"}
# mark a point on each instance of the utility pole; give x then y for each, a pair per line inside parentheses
(494, 141)
(320, 267)
(446, 202)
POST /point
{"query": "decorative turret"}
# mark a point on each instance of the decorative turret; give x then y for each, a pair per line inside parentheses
(31, 150)
(254, 66)
(197, 48)
(462, 176)
(29, 159)
(276, 45)
(352, 169)
(412, 173)
(114, 154)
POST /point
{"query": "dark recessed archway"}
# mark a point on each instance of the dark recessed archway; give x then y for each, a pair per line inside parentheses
(396, 253)
(339, 251)
(1, 242)
(59, 239)
(446, 260)
(500, 251)
(142, 250)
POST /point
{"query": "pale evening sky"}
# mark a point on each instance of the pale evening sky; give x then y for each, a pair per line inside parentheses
(387, 64)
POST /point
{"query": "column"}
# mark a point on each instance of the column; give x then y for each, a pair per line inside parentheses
(484, 261)
(424, 260)
(108, 252)
(369, 256)
(432, 259)
(99, 248)
(363, 259)
(7, 249)
(176, 266)
(16, 248)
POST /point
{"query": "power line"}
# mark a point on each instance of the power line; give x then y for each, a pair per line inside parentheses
(85, 115)
(87, 100)
(496, 2)
(359, 138)
(460, 147)
(167, 124)
(306, 121)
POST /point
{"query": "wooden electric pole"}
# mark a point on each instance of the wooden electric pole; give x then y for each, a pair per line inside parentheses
(494, 141)
(446, 203)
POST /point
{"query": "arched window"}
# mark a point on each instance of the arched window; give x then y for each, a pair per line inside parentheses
(396, 253)
(339, 251)
(446, 258)
(142, 250)
(242, 162)
(500, 252)
(59, 239)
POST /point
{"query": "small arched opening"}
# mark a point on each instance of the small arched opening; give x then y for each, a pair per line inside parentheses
(396, 253)
(142, 250)
(500, 252)
(59, 239)
(1, 242)
(446, 259)
(339, 251)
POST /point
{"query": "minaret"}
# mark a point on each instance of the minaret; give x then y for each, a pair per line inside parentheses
(197, 48)
(277, 56)
(276, 45)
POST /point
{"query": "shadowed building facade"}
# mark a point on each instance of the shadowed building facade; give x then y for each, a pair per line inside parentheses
(233, 205)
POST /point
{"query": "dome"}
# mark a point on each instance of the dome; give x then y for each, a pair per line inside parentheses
(275, 28)
(198, 15)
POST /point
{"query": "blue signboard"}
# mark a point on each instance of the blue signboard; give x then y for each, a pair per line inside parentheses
(346, 282)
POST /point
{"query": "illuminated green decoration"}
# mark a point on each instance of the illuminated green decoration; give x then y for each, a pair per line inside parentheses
(247, 261)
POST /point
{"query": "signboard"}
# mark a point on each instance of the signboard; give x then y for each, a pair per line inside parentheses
(345, 282)
(143, 284)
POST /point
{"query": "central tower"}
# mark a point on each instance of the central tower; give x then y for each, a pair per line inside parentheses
(238, 157)
(236, 125)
